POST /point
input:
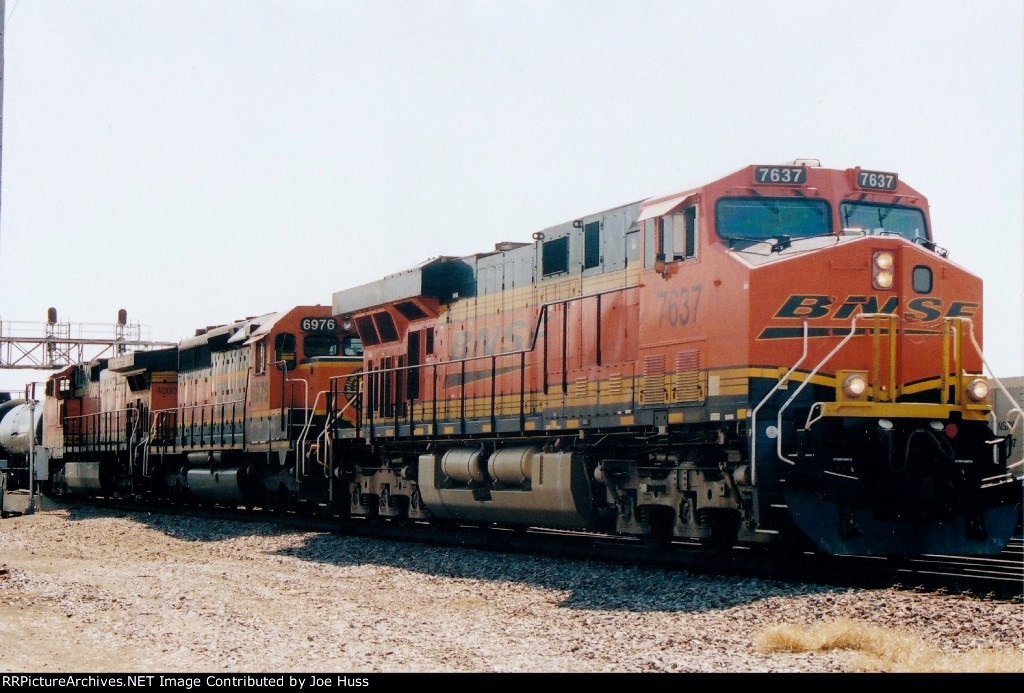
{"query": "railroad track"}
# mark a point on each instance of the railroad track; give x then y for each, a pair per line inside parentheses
(994, 577)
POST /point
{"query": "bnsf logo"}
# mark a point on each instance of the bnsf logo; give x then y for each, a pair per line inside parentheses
(924, 309)
(484, 341)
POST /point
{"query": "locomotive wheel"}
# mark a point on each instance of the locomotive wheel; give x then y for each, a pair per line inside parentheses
(441, 524)
(279, 500)
(661, 521)
(401, 503)
(372, 511)
(724, 531)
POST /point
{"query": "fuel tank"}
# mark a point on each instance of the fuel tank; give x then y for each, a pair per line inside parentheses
(224, 486)
(522, 485)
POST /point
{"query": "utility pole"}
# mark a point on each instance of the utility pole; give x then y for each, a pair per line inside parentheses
(3, 19)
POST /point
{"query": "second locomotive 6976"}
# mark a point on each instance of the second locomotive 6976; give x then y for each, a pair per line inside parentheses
(782, 353)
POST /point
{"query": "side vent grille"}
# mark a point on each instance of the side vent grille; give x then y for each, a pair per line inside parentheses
(653, 383)
(688, 377)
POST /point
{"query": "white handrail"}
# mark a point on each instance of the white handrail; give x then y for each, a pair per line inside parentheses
(814, 371)
(753, 415)
(1016, 409)
(301, 441)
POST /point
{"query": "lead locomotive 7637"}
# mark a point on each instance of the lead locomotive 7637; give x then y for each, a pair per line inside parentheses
(784, 353)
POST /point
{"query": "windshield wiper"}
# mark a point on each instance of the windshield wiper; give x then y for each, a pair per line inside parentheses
(778, 242)
(931, 245)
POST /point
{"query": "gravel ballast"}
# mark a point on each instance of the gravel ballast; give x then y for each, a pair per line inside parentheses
(88, 590)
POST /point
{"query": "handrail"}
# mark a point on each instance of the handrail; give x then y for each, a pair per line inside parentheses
(814, 372)
(542, 309)
(300, 442)
(534, 334)
(147, 446)
(1014, 415)
(1020, 415)
(1016, 409)
(753, 415)
(178, 415)
(101, 419)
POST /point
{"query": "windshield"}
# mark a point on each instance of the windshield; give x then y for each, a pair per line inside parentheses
(759, 218)
(877, 220)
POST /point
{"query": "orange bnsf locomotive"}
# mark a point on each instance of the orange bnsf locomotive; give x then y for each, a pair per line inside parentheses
(784, 352)
(234, 415)
(783, 355)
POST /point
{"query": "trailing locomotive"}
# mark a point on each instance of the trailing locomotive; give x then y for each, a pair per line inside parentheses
(234, 415)
(782, 355)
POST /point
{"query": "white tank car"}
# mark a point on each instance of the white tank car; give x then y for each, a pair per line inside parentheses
(16, 427)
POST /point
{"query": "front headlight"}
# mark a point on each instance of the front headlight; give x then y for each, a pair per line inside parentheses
(882, 265)
(855, 385)
(977, 390)
(884, 260)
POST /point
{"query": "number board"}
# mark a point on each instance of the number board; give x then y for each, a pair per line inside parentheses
(877, 180)
(318, 325)
(781, 175)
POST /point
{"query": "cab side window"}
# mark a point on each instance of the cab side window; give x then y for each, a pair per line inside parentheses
(651, 247)
(284, 349)
(592, 245)
(260, 366)
(351, 346)
(679, 234)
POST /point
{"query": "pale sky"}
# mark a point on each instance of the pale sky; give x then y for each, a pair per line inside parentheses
(196, 162)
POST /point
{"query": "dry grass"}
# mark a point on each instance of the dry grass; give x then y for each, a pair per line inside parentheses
(877, 649)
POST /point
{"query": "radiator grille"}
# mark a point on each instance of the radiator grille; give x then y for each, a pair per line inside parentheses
(653, 381)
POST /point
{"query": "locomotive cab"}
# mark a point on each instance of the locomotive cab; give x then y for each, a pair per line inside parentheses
(877, 428)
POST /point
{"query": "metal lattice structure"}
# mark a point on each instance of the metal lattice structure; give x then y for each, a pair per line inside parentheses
(52, 345)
